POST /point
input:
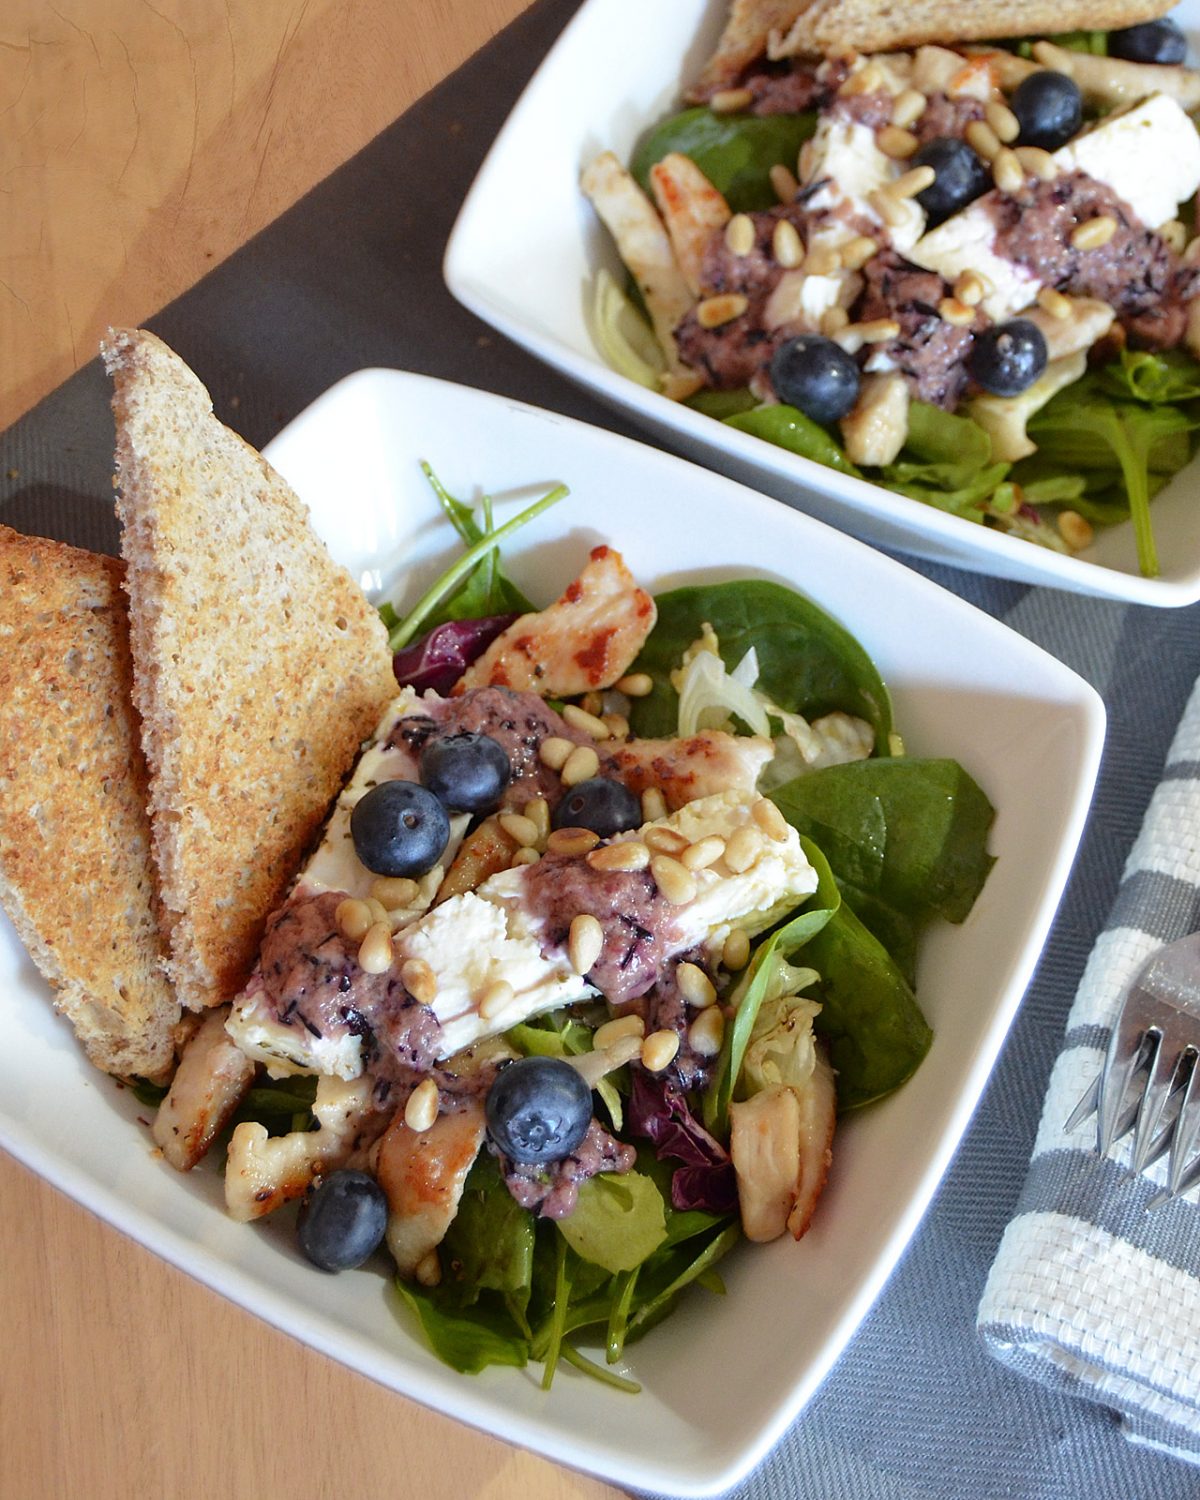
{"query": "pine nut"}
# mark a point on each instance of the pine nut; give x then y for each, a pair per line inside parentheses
(770, 820)
(524, 856)
(857, 253)
(495, 999)
(1175, 235)
(422, 1108)
(554, 750)
(896, 142)
(713, 312)
(664, 840)
(910, 183)
(377, 909)
(1036, 162)
(865, 81)
(877, 331)
(592, 703)
(1054, 303)
(419, 980)
(537, 810)
(969, 289)
(571, 841)
(889, 208)
(581, 765)
(1093, 233)
(786, 245)
(823, 261)
(522, 830)
(1002, 120)
(613, 1031)
(428, 1270)
(695, 986)
(623, 856)
(951, 310)
(705, 852)
(707, 1032)
(736, 952)
(982, 139)
(394, 892)
(618, 726)
(834, 320)
(1074, 530)
(659, 1050)
(677, 884)
(783, 181)
(586, 723)
(1007, 171)
(585, 942)
(739, 235)
(353, 919)
(730, 101)
(908, 108)
(654, 805)
(743, 848)
(375, 953)
(1191, 252)
(636, 685)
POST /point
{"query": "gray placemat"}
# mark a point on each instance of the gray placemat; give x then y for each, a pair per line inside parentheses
(915, 1410)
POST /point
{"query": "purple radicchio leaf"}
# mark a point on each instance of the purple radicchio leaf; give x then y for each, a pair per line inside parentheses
(660, 1113)
(440, 658)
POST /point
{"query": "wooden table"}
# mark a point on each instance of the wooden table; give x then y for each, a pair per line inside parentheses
(141, 145)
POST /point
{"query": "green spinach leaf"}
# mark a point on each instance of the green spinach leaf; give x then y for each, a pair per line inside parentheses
(735, 152)
(808, 663)
(788, 427)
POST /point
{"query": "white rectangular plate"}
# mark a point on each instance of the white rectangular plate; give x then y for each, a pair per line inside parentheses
(525, 251)
(724, 1376)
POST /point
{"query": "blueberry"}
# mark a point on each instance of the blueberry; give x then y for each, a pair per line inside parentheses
(399, 828)
(1008, 358)
(467, 771)
(1159, 41)
(342, 1221)
(538, 1110)
(604, 806)
(1049, 110)
(961, 177)
(815, 375)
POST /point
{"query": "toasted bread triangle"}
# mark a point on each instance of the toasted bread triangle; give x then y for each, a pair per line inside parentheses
(259, 666)
(76, 873)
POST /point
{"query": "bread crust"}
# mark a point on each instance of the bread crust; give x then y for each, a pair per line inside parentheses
(76, 873)
(259, 666)
(822, 27)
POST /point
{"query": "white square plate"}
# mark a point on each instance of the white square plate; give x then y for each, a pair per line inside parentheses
(724, 1376)
(527, 245)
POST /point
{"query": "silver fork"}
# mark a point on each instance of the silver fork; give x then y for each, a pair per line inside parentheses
(1150, 1082)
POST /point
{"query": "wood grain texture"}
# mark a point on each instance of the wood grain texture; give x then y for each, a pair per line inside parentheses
(142, 141)
(125, 1380)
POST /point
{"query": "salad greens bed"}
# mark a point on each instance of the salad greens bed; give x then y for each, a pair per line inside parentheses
(896, 841)
(1106, 444)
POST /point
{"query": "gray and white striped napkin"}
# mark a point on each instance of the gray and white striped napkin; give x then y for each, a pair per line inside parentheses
(1090, 1293)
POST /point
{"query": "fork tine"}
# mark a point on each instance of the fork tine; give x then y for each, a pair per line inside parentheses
(1086, 1105)
(1154, 1097)
(1119, 1068)
(1187, 1130)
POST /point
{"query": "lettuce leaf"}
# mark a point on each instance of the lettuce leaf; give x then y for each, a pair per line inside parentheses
(946, 461)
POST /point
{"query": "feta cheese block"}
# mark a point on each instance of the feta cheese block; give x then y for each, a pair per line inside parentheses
(842, 168)
(1149, 156)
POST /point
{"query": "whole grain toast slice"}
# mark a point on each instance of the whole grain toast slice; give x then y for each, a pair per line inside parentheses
(824, 27)
(259, 665)
(76, 872)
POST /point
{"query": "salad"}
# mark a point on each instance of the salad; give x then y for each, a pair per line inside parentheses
(965, 272)
(620, 907)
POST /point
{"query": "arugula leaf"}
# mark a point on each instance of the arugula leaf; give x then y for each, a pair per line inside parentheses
(912, 832)
(788, 427)
(735, 152)
(1170, 376)
(807, 662)
(676, 1271)
(458, 589)
(821, 907)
